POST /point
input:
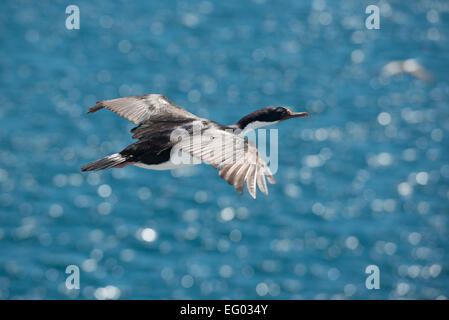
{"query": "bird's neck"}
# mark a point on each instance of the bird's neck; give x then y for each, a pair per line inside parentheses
(248, 124)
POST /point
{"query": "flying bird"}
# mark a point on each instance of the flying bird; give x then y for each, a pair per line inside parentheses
(410, 66)
(164, 130)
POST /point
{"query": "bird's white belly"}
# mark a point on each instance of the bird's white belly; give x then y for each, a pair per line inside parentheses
(168, 165)
(187, 161)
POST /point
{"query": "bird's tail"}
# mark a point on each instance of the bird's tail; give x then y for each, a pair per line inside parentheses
(114, 160)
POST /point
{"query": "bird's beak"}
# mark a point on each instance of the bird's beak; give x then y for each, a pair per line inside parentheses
(292, 115)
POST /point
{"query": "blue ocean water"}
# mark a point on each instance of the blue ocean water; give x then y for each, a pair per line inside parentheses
(363, 181)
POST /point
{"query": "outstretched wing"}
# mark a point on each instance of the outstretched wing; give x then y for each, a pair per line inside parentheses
(237, 158)
(139, 109)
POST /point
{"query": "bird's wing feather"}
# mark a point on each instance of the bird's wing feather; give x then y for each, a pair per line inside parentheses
(237, 158)
(139, 109)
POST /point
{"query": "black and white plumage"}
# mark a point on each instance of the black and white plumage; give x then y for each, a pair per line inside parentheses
(223, 147)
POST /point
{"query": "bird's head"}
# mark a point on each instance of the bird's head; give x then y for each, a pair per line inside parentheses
(267, 116)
